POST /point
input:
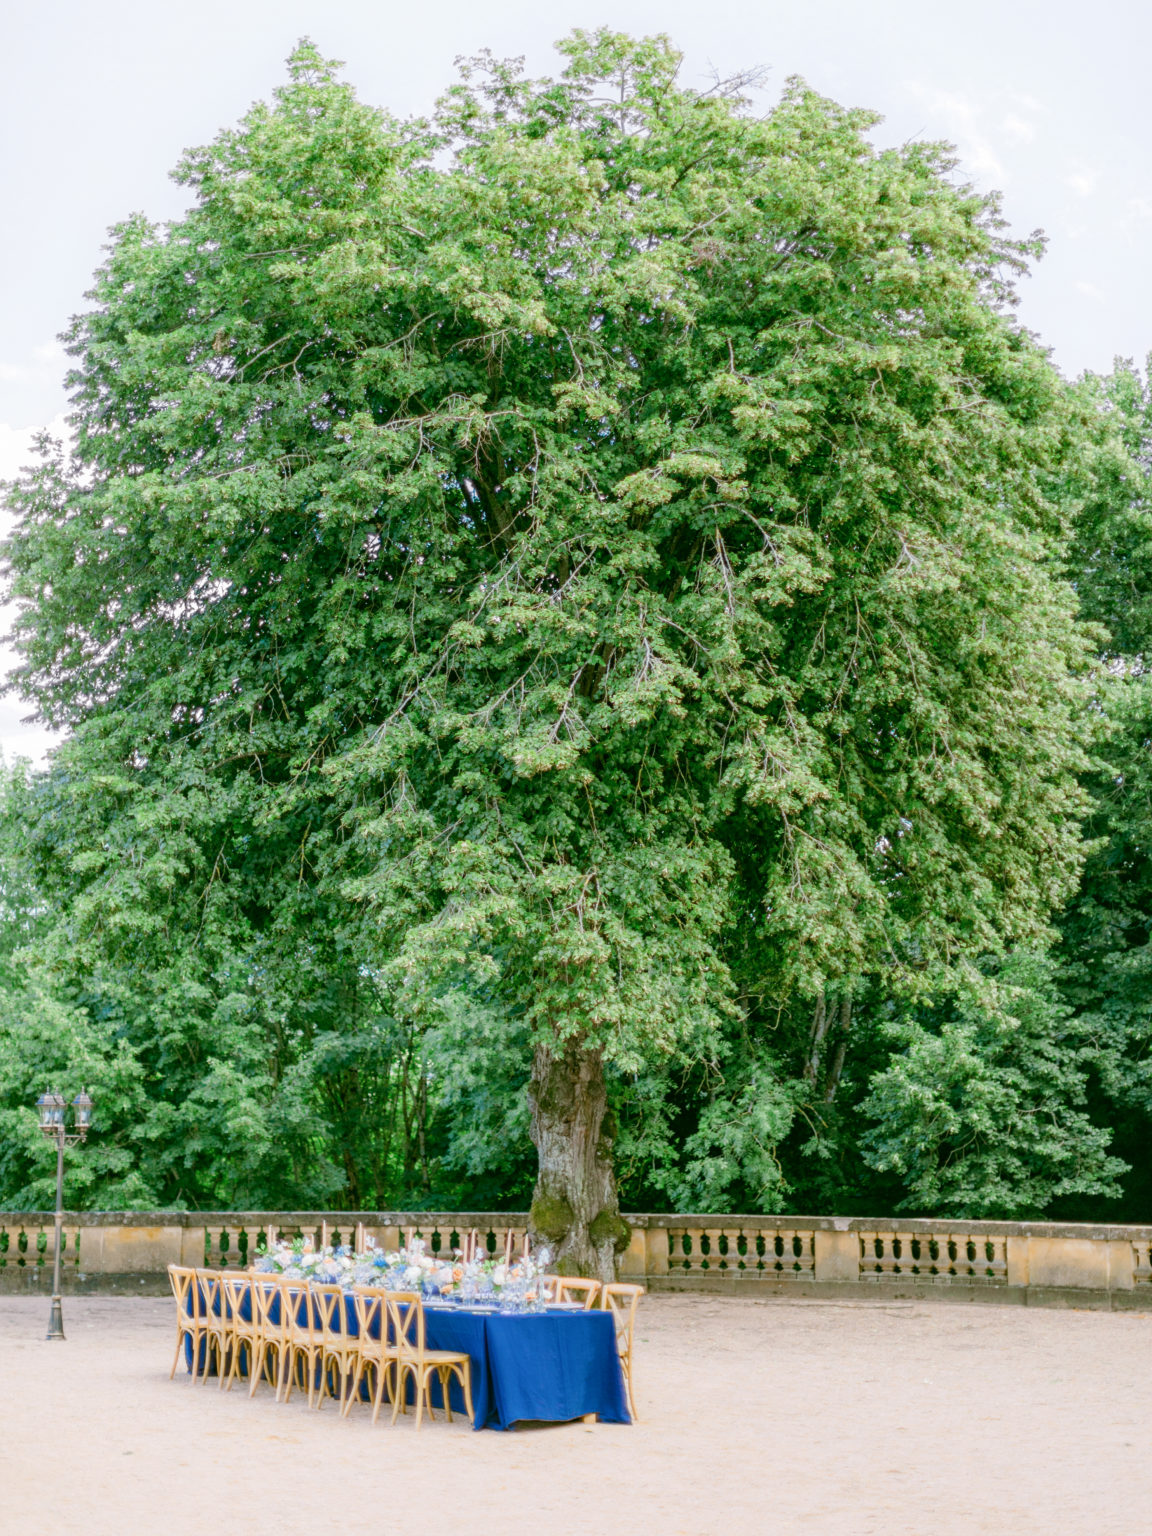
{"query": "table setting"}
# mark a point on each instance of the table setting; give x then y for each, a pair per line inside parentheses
(530, 1353)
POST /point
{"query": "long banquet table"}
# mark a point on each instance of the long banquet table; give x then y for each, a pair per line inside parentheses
(552, 1366)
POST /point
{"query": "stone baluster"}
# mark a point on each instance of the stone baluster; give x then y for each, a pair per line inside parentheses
(709, 1262)
(727, 1250)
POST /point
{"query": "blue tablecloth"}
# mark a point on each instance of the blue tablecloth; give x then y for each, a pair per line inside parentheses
(553, 1365)
(545, 1366)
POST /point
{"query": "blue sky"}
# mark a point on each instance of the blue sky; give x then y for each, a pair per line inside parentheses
(1047, 102)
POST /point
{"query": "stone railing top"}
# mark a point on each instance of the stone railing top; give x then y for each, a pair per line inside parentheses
(1094, 1231)
(279, 1218)
(913, 1225)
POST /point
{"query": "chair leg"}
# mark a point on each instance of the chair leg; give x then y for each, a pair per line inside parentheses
(400, 1373)
(335, 1364)
(378, 1395)
(354, 1386)
(179, 1349)
(262, 1370)
(425, 1398)
(290, 1375)
(466, 1382)
(445, 1379)
(630, 1394)
(212, 1351)
(234, 1366)
(283, 1371)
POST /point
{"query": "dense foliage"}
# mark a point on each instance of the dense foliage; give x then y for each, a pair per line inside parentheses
(583, 621)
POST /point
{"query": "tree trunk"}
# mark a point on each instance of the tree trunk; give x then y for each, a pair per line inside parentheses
(575, 1207)
(824, 1029)
(834, 1075)
(816, 1041)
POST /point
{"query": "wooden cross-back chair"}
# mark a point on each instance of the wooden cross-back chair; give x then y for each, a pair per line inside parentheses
(375, 1353)
(621, 1300)
(338, 1348)
(302, 1338)
(270, 1314)
(303, 1341)
(405, 1312)
(568, 1288)
(237, 1295)
(190, 1320)
(217, 1322)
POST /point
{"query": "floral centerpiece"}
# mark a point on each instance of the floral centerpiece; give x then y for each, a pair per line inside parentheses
(513, 1284)
(299, 1259)
(516, 1285)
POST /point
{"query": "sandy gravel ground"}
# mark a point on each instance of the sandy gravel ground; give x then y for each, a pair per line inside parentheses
(758, 1416)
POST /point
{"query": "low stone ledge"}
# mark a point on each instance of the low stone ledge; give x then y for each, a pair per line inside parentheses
(755, 1286)
(37, 1281)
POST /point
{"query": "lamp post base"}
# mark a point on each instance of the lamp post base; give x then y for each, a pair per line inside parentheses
(55, 1320)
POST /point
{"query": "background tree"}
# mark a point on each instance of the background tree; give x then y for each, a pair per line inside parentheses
(984, 1115)
(579, 576)
(1107, 962)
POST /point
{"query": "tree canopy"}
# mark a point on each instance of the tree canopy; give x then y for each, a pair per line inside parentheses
(564, 598)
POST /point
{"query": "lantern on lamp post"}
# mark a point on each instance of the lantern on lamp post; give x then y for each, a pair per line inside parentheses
(53, 1125)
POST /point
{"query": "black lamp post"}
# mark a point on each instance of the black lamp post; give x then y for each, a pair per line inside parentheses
(52, 1107)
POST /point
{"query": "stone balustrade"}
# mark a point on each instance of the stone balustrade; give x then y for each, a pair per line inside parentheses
(1024, 1262)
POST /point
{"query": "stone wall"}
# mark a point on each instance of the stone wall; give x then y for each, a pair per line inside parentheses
(1029, 1263)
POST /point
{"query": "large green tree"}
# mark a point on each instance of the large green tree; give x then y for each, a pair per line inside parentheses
(1107, 956)
(586, 557)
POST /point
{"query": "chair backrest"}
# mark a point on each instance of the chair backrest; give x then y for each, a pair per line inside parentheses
(235, 1293)
(405, 1322)
(208, 1284)
(182, 1279)
(266, 1301)
(568, 1288)
(328, 1311)
(369, 1301)
(295, 1306)
(621, 1300)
